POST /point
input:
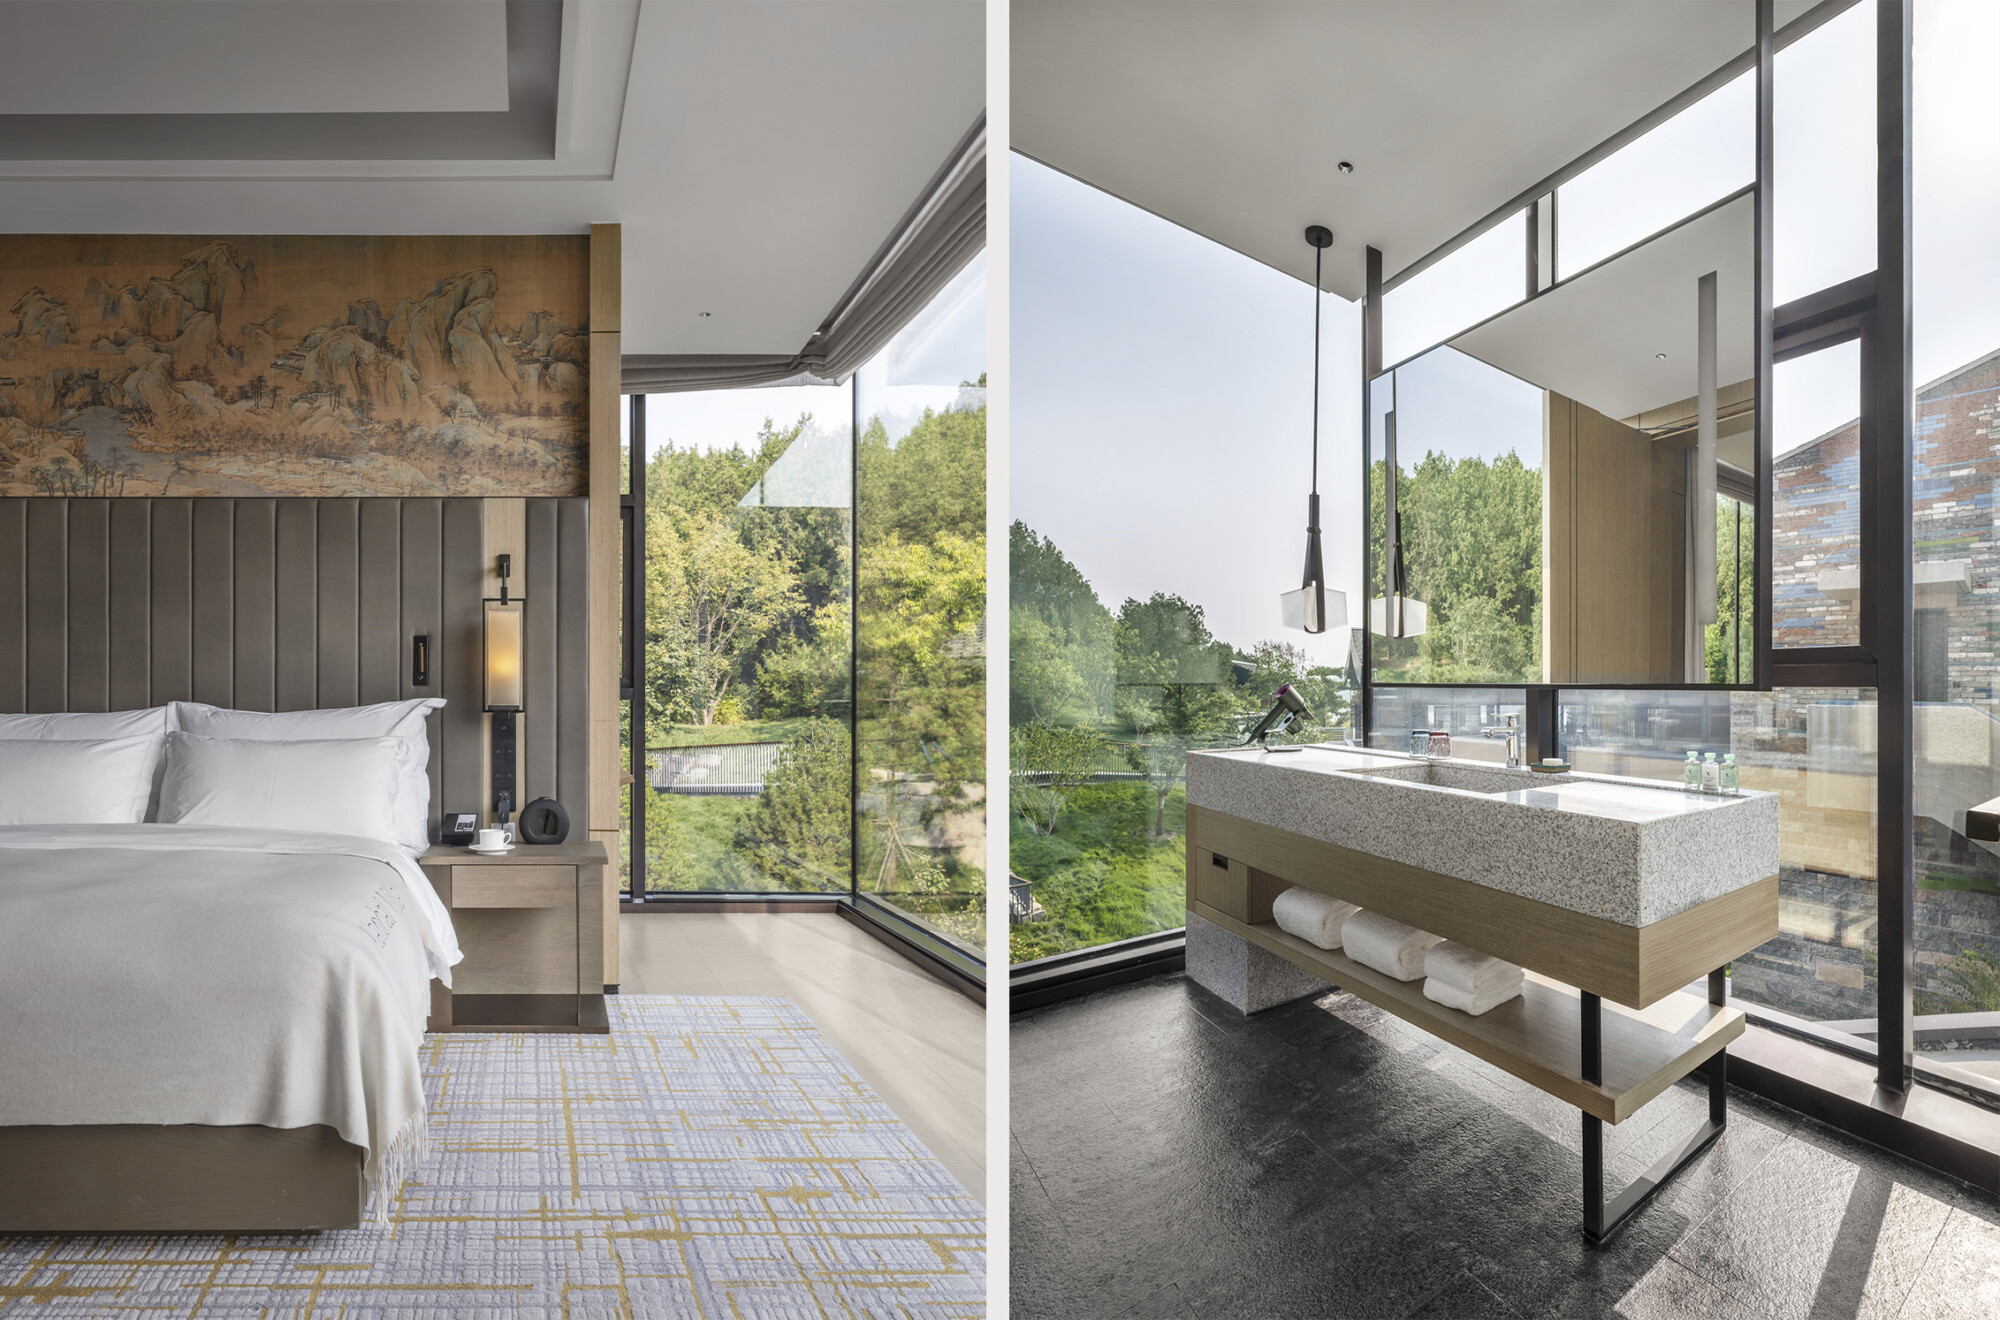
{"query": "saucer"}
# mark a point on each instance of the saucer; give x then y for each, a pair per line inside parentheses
(503, 848)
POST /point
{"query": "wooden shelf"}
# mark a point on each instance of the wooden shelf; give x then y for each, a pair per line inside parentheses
(1537, 1037)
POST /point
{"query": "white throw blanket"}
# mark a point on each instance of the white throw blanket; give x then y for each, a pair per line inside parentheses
(1388, 946)
(1314, 917)
(174, 974)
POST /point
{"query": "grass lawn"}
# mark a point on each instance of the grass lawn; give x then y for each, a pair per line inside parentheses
(1102, 876)
(708, 735)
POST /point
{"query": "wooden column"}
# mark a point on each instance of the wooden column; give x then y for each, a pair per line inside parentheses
(606, 356)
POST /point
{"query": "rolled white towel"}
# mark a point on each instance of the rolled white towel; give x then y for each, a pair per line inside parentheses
(1467, 969)
(1473, 1002)
(1387, 945)
(1313, 917)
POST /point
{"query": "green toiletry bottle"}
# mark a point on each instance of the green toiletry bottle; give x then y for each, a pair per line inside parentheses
(1691, 774)
(1732, 774)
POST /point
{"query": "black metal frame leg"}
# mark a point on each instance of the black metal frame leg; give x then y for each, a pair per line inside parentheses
(1602, 1220)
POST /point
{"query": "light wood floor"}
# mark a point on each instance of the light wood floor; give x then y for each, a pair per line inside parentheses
(921, 1045)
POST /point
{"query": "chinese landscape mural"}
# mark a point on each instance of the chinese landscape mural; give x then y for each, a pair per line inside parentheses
(293, 365)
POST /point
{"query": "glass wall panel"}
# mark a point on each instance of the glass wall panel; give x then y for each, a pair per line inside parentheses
(1701, 155)
(1956, 302)
(1483, 277)
(1823, 88)
(1814, 748)
(1476, 719)
(1816, 499)
(747, 642)
(920, 611)
(1468, 440)
(1160, 461)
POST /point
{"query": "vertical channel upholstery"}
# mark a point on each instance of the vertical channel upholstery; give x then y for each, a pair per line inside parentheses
(289, 604)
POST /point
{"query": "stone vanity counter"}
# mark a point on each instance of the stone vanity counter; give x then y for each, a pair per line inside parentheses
(1628, 850)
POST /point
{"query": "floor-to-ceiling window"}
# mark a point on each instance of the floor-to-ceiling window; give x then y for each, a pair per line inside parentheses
(1161, 457)
(744, 665)
(920, 618)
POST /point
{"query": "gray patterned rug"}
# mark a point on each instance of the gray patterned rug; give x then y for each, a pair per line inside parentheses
(711, 1157)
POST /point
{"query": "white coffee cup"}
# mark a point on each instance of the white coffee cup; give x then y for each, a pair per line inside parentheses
(490, 838)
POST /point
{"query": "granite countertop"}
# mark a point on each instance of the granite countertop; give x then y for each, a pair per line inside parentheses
(1632, 851)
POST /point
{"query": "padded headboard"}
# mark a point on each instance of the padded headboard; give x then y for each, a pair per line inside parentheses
(295, 604)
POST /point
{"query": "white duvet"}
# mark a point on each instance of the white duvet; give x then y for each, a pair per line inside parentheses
(178, 974)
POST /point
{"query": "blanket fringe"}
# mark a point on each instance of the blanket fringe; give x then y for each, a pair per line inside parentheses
(389, 1166)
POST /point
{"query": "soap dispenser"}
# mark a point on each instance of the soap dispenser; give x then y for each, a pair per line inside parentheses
(1732, 775)
(1691, 773)
(1711, 774)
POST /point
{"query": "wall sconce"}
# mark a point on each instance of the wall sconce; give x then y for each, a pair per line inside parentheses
(505, 650)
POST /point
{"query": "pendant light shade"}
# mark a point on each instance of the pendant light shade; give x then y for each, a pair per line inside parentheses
(1313, 608)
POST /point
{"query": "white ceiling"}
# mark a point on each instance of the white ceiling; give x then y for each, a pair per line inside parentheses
(241, 56)
(1597, 339)
(1230, 118)
(757, 153)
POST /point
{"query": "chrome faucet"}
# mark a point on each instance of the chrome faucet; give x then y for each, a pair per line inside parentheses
(1512, 730)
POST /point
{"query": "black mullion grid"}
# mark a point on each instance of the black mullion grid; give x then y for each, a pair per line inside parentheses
(635, 623)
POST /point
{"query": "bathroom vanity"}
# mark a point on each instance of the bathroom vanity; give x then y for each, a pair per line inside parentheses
(1614, 894)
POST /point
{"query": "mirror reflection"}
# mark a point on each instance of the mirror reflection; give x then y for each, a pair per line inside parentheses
(1565, 493)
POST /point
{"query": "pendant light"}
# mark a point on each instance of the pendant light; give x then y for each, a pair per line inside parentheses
(1398, 615)
(1312, 607)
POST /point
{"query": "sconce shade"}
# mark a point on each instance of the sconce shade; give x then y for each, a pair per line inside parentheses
(506, 658)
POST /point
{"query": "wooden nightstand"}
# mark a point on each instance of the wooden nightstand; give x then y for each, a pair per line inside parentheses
(531, 923)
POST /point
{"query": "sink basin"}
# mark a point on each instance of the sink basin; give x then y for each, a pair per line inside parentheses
(1468, 778)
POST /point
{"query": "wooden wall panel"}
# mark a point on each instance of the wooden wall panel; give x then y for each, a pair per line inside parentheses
(383, 663)
(337, 622)
(213, 591)
(118, 604)
(255, 632)
(422, 598)
(48, 605)
(129, 681)
(171, 601)
(462, 586)
(89, 605)
(13, 605)
(538, 751)
(294, 605)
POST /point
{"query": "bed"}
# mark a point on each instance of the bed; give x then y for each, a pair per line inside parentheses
(214, 1027)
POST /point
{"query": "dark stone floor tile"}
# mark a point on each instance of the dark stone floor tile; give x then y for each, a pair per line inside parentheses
(1669, 1291)
(1813, 1231)
(1162, 1304)
(1961, 1279)
(1464, 1298)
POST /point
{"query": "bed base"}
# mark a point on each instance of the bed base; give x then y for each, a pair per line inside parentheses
(137, 1178)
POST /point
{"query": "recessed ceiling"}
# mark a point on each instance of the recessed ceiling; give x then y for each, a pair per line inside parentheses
(1231, 118)
(757, 153)
(127, 57)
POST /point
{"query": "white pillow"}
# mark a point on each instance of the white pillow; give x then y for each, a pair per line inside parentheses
(331, 786)
(76, 781)
(388, 719)
(69, 726)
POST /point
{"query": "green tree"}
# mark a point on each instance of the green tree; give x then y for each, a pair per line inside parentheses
(1060, 635)
(800, 829)
(1048, 763)
(1173, 690)
(1735, 587)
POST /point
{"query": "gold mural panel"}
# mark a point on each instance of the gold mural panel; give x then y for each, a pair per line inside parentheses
(295, 364)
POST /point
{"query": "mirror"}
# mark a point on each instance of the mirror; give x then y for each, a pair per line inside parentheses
(1571, 482)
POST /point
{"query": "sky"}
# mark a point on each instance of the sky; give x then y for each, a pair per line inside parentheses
(1162, 385)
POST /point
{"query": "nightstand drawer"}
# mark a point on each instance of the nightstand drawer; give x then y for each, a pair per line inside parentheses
(513, 887)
